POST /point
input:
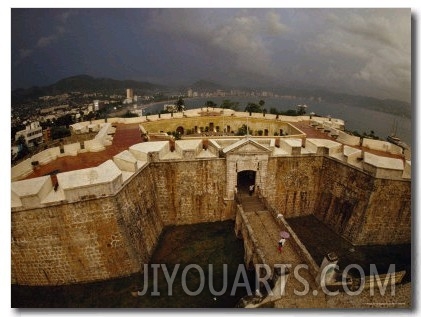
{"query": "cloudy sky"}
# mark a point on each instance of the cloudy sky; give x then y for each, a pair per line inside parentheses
(359, 51)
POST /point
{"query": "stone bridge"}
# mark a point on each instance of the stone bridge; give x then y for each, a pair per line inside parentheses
(289, 278)
(287, 272)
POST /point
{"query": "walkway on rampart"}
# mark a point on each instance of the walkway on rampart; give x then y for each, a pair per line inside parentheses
(311, 132)
(125, 136)
(266, 230)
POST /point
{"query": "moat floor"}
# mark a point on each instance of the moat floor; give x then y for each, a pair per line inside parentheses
(320, 240)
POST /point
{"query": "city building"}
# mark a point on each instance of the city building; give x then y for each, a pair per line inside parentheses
(129, 92)
(98, 105)
(46, 134)
(32, 134)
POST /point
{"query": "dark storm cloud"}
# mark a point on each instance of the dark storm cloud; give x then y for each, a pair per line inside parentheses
(58, 28)
(363, 51)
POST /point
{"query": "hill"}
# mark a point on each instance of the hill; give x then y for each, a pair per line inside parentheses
(89, 83)
(85, 84)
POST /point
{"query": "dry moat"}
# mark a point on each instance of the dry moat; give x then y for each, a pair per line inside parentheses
(204, 244)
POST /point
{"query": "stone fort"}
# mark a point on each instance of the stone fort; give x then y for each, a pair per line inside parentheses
(104, 221)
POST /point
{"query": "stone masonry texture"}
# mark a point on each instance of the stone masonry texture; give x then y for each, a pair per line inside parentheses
(115, 235)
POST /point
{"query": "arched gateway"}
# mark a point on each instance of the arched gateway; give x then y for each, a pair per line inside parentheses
(246, 155)
(245, 179)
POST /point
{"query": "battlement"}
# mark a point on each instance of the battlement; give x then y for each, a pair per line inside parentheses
(109, 177)
(102, 139)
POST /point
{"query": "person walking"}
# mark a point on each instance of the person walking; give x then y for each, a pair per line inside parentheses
(281, 244)
(251, 189)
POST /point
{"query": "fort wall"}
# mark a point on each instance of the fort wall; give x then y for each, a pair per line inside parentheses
(111, 236)
(388, 215)
(192, 191)
(87, 240)
(362, 208)
(201, 124)
(105, 222)
(69, 243)
(294, 184)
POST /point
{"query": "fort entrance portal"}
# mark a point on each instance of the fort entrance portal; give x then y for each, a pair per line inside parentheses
(245, 179)
(247, 163)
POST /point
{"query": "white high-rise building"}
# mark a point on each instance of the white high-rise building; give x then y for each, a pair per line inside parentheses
(129, 92)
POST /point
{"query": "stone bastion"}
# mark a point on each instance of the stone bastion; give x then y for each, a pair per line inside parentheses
(105, 221)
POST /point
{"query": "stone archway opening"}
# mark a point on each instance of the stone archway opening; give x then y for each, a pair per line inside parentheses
(180, 130)
(245, 179)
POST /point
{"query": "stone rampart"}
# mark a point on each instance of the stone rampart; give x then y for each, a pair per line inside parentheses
(71, 149)
(99, 227)
(382, 146)
(293, 184)
(103, 222)
(21, 170)
(102, 139)
(362, 208)
(192, 191)
(86, 240)
(348, 139)
(214, 124)
(98, 143)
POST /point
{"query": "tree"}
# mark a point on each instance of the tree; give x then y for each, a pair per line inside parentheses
(59, 132)
(180, 105)
(129, 114)
(301, 110)
(273, 111)
(252, 107)
(210, 104)
(90, 116)
(16, 129)
(261, 103)
(66, 120)
(243, 130)
(289, 112)
(22, 147)
(228, 104)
